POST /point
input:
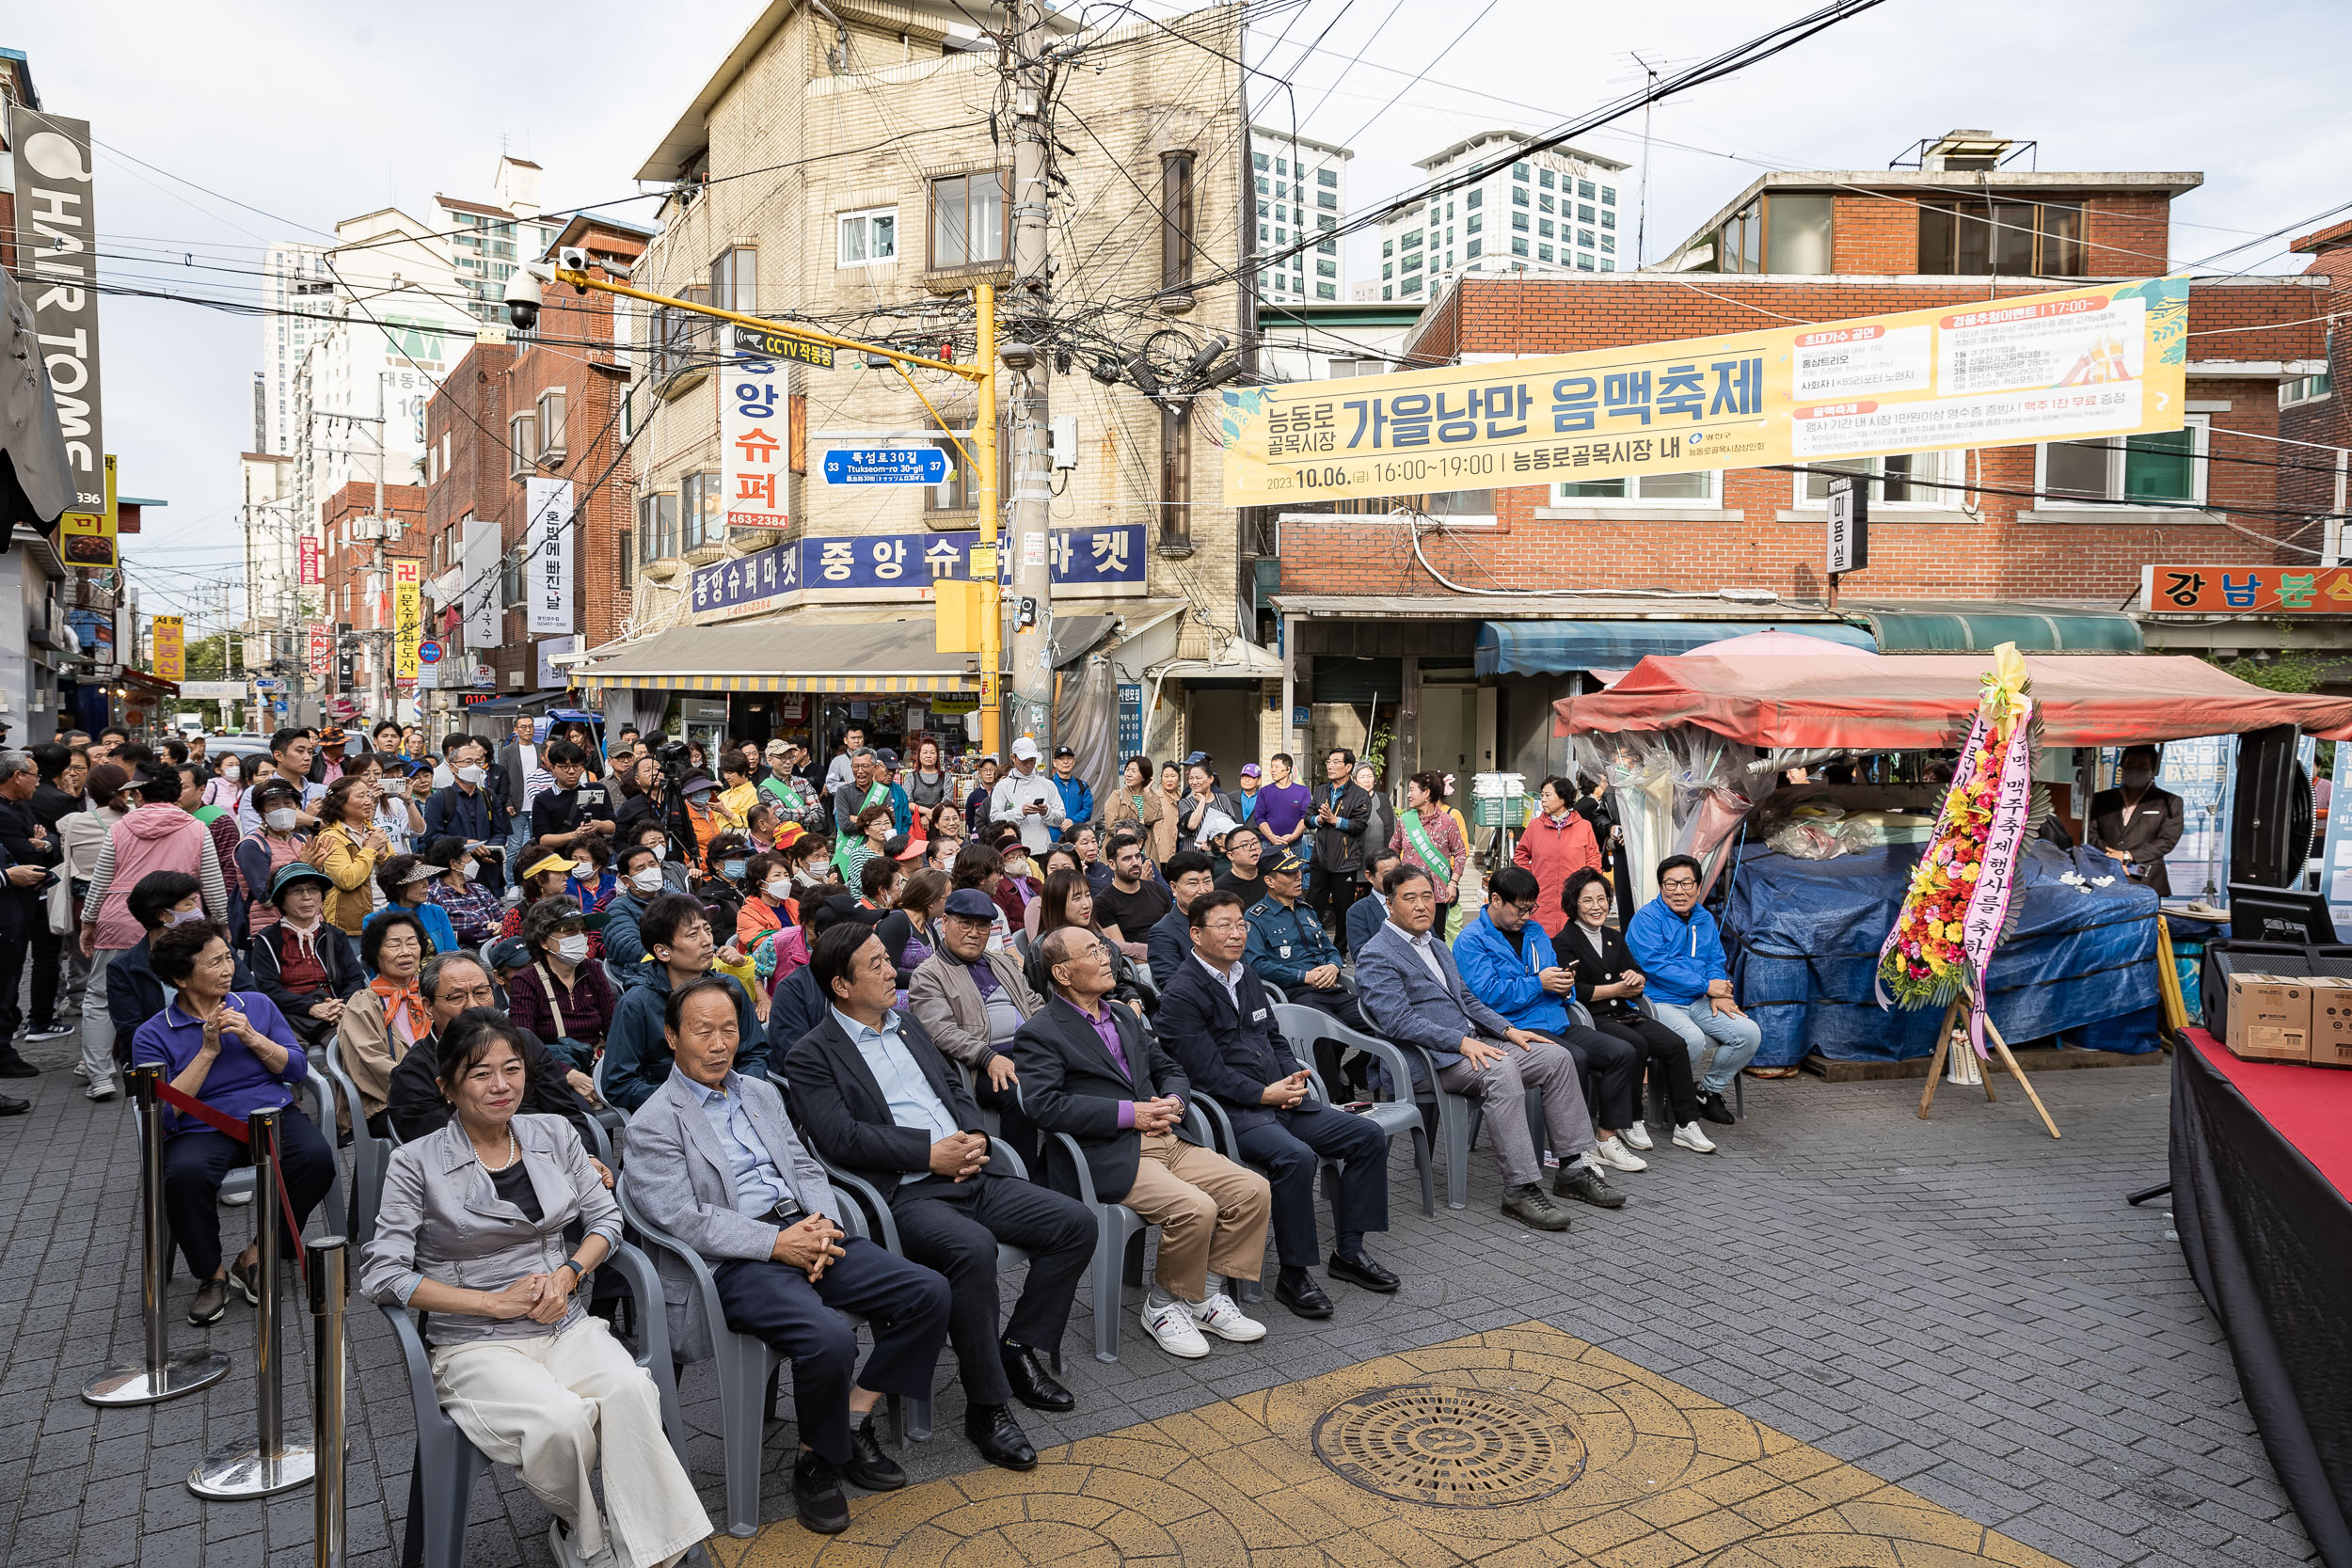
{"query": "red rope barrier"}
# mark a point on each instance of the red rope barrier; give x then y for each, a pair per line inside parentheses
(222, 1122)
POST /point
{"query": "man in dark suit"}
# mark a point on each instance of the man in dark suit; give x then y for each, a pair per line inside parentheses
(872, 1095)
(2137, 823)
(1190, 874)
(1218, 1024)
(1342, 812)
(1087, 1068)
(1369, 913)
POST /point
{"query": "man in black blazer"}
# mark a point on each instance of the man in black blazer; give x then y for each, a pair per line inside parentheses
(872, 1095)
(1190, 874)
(1343, 810)
(1219, 1026)
(1087, 1068)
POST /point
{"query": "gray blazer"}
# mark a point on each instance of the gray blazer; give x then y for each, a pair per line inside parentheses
(1409, 1004)
(944, 1000)
(441, 1219)
(682, 1180)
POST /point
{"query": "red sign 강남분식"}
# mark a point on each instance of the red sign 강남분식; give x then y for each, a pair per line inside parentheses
(2258, 587)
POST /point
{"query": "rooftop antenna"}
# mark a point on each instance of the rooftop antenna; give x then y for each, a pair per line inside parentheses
(1648, 73)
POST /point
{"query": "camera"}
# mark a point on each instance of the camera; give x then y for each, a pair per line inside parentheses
(571, 257)
(522, 300)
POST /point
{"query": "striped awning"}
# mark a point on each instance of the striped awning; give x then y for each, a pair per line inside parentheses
(850, 658)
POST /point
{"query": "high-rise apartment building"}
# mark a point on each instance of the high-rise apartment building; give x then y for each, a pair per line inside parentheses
(488, 241)
(1553, 211)
(1302, 189)
(298, 309)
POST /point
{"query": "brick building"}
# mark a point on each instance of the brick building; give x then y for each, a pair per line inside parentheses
(1421, 622)
(547, 404)
(358, 543)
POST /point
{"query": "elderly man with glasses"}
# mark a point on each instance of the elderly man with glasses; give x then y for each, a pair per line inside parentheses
(1676, 945)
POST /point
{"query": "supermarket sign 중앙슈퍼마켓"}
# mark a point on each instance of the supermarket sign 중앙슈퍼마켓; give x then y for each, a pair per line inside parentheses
(2068, 366)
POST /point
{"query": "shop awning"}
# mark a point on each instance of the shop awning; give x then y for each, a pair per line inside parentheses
(1915, 702)
(1926, 626)
(856, 656)
(1556, 648)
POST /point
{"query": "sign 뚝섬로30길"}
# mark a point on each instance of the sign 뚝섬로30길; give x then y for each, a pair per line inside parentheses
(2074, 365)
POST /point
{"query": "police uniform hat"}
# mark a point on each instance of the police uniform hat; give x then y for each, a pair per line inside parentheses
(1284, 859)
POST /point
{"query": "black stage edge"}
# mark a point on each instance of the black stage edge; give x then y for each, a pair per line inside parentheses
(2269, 1243)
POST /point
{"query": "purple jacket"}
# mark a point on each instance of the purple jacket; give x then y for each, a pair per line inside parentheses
(238, 1082)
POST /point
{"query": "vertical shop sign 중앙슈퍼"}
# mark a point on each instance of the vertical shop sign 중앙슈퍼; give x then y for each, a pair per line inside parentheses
(754, 444)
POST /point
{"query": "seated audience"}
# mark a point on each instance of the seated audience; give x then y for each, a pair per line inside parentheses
(233, 1051)
(474, 908)
(1190, 874)
(873, 1095)
(1508, 962)
(1218, 1023)
(679, 940)
(1135, 900)
(641, 883)
(407, 884)
(1367, 914)
(760, 1213)
(1089, 1069)
(388, 1016)
(527, 1374)
(1414, 992)
(1069, 900)
(1291, 947)
(562, 995)
(1609, 986)
(306, 966)
(971, 999)
(1676, 947)
(413, 1101)
(162, 900)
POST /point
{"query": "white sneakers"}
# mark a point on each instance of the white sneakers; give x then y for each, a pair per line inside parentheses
(1637, 1136)
(1690, 1137)
(1172, 1326)
(566, 1550)
(1177, 1325)
(1613, 1153)
(1221, 1317)
(101, 1088)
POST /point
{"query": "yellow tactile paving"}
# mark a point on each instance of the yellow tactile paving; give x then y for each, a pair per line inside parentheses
(1545, 1452)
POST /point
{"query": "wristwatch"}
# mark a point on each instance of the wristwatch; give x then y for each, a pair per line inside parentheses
(579, 1274)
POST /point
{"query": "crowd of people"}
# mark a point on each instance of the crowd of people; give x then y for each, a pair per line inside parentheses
(889, 968)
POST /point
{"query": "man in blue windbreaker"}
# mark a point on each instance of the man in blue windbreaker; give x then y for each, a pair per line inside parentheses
(1677, 945)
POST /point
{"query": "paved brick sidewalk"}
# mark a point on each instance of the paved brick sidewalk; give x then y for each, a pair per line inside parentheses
(1962, 1305)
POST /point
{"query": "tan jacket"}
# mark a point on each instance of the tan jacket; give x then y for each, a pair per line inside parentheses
(352, 870)
(948, 1005)
(363, 1040)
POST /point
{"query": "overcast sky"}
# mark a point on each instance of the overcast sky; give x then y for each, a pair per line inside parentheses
(289, 117)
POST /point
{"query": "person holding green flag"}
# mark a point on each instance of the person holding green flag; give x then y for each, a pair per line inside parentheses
(866, 787)
(1428, 839)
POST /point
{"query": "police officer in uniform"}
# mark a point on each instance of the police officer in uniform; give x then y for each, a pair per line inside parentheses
(1290, 948)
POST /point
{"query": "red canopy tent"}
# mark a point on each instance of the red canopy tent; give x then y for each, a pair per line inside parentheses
(1917, 702)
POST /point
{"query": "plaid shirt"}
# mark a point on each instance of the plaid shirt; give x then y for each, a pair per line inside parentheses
(474, 911)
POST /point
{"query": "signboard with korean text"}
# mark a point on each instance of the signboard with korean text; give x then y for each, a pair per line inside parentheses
(754, 444)
(1088, 562)
(776, 346)
(89, 539)
(407, 618)
(313, 562)
(479, 555)
(2109, 361)
(548, 554)
(886, 466)
(1130, 718)
(1848, 524)
(2261, 588)
(320, 649)
(56, 238)
(168, 636)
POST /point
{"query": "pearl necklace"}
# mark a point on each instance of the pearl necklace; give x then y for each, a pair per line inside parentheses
(512, 1152)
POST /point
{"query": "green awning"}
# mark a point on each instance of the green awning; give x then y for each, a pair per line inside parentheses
(1926, 626)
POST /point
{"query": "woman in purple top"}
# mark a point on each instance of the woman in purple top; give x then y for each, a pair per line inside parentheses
(234, 1052)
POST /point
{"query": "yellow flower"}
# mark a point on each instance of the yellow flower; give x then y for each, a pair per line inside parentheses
(1970, 872)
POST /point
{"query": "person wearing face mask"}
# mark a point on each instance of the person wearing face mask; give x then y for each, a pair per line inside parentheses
(226, 780)
(407, 881)
(473, 907)
(677, 871)
(470, 811)
(641, 884)
(2138, 824)
(560, 996)
(269, 849)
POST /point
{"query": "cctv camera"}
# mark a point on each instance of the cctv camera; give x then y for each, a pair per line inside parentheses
(522, 300)
(571, 257)
(1016, 355)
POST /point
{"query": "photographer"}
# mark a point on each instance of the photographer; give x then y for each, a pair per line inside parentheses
(467, 810)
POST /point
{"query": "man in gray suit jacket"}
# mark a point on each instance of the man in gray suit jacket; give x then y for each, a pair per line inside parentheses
(713, 1161)
(1411, 988)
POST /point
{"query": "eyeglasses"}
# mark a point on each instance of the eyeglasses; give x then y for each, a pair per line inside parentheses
(1679, 882)
(1524, 911)
(1225, 927)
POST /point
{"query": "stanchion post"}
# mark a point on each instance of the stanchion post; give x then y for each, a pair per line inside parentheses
(329, 1258)
(162, 1375)
(270, 1465)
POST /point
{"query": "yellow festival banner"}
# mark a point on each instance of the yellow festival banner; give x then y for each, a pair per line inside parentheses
(168, 647)
(2069, 366)
(407, 616)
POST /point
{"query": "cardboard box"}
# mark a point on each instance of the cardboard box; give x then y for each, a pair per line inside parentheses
(2270, 1018)
(2331, 1021)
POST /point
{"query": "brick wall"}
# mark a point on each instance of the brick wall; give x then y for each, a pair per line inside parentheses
(1871, 234)
(344, 558)
(468, 413)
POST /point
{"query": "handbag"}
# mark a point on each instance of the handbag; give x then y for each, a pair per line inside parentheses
(59, 899)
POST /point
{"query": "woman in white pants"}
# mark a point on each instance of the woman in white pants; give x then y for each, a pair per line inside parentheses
(470, 1230)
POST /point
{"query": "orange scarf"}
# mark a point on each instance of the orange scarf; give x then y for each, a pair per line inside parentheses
(405, 1017)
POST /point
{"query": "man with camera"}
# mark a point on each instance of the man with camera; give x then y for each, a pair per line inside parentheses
(467, 809)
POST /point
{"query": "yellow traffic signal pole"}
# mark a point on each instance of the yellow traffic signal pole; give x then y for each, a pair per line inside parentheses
(983, 374)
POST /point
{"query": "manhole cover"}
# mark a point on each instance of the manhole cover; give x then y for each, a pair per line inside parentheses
(1449, 1445)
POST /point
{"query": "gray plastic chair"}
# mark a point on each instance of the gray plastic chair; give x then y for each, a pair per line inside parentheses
(1303, 1026)
(1459, 1115)
(748, 1369)
(237, 1188)
(370, 1154)
(1738, 1080)
(441, 1481)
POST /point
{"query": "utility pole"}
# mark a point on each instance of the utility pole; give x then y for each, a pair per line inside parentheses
(379, 644)
(1031, 709)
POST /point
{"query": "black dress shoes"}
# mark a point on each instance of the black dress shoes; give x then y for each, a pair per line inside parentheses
(1296, 1290)
(868, 1467)
(999, 1438)
(15, 1066)
(1032, 1384)
(13, 1107)
(817, 1493)
(1361, 1270)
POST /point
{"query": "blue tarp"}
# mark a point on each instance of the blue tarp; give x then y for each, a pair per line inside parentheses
(1804, 942)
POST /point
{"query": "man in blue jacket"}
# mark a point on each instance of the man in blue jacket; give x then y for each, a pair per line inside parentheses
(1681, 952)
(1077, 796)
(1508, 961)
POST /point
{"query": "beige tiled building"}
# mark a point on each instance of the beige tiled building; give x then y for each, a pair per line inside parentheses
(850, 166)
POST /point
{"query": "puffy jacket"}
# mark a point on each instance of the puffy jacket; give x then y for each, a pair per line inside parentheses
(154, 838)
(1554, 852)
(1506, 980)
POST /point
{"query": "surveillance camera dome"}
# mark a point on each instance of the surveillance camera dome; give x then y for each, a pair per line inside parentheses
(522, 300)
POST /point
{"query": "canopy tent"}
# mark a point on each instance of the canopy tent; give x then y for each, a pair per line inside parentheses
(1555, 647)
(1915, 702)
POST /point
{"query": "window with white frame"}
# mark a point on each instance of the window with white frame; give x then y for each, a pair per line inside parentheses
(866, 237)
(1903, 478)
(552, 422)
(2164, 469)
(522, 445)
(1700, 484)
